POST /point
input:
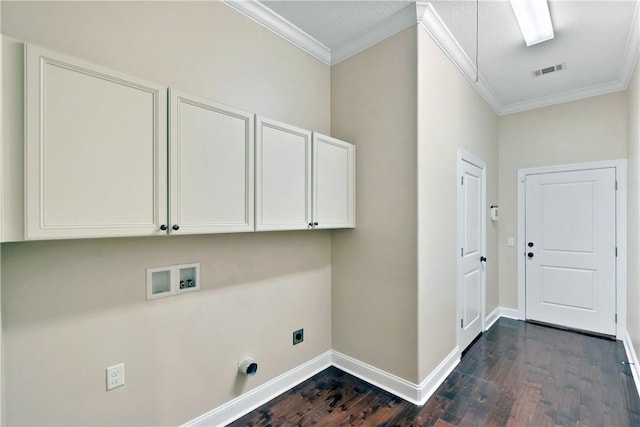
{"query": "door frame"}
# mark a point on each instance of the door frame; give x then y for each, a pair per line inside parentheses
(464, 156)
(620, 167)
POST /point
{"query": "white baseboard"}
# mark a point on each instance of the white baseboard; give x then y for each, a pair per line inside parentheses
(633, 359)
(497, 313)
(437, 377)
(417, 394)
(491, 319)
(395, 385)
(260, 395)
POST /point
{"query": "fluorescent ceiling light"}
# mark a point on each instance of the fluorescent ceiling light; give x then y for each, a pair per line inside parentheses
(534, 20)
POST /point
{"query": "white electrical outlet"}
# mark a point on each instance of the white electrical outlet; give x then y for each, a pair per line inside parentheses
(115, 376)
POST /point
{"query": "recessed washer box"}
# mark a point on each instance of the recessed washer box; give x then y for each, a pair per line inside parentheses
(172, 280)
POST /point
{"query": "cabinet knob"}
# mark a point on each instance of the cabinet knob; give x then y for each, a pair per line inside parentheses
(163, 227)
(315, 223)
(310, 224)
(176, 227)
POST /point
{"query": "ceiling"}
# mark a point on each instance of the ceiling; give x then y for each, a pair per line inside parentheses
(596, 41)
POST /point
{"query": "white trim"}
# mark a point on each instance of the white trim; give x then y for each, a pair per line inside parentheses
(390, 26)
(632, 357)
(377, 377)
(437, 376)
(497, 313)
(491, 319)
(413, 393)
(463, 157)
(632, 49)
(510, 313)
(429, 19)
(559, 98)
(241, 405)
(275, 23)
(621, 232)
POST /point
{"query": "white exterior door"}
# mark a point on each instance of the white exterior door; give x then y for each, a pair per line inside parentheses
(570, 249)
(471, 203)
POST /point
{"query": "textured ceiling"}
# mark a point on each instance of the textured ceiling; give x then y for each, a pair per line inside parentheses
(334, 23)
(592, 39)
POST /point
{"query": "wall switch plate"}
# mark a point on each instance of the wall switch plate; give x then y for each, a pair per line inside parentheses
(298, 336)
(511, 241)
(115, 376)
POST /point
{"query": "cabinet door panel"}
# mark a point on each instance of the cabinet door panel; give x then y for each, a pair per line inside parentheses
(333, 182)
(211, 166)
(283, 176)
(95, 150)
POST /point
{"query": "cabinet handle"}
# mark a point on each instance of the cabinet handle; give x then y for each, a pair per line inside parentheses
(310, 224)
(176, 227)
(163, 227)
(315, 223)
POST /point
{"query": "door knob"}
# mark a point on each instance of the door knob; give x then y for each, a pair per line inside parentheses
(530, 244)
(530, 254)
(483, 259)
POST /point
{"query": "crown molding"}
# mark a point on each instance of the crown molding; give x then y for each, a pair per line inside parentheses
(424, 13)
(429, 19)
(573, 95)
(266, 17)
(632, 49)
(390, 26)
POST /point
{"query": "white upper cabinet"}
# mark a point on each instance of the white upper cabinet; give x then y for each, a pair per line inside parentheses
(95, 150)
(303, 180)
(211, 166)
(333, 182)
(283, 176)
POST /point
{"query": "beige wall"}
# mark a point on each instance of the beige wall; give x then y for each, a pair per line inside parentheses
(587, 130)
(451, 116)
(374, 267)
(633, 211)
(72, 308)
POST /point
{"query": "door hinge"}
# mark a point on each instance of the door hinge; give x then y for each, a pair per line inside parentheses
(616, 318)
(462, 180)
(616, 185)
(461, 252)
(461, 323)
(616, 251)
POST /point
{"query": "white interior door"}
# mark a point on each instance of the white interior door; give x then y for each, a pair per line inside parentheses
(471, 275)
(570, 250)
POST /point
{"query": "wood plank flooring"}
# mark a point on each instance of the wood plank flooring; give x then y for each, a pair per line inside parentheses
(516, 374)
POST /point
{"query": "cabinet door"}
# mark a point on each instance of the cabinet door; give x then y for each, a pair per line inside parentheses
(333, 183)
(95, 150)
(211, 166)
(283, 176)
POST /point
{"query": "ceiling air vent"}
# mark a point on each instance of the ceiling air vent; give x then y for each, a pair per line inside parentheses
(548, 70)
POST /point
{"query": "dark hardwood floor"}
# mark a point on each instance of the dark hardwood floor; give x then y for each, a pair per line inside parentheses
(516, 374)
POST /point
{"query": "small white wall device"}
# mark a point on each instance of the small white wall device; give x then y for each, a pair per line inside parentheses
(494, 212)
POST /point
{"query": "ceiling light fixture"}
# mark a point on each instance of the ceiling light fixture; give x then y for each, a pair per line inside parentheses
(534, 20)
